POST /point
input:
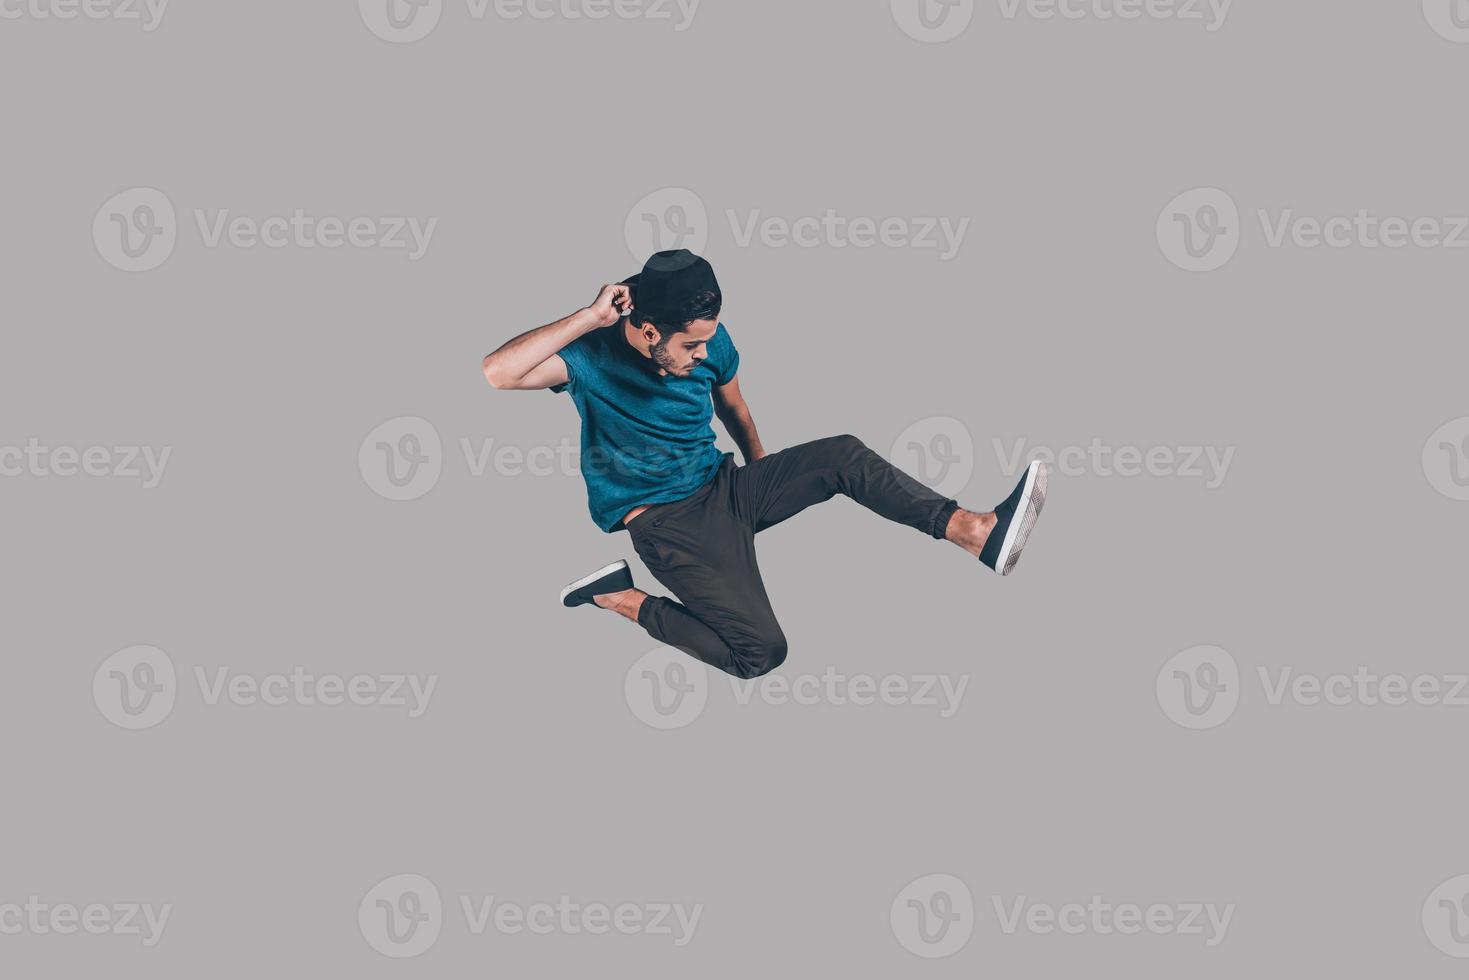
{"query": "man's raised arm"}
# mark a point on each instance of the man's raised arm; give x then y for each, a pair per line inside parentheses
(531, 361)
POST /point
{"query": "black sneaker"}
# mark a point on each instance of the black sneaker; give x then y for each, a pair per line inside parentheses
(613, 578)
(1015, 519)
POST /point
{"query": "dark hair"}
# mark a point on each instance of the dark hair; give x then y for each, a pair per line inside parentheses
(701, 306)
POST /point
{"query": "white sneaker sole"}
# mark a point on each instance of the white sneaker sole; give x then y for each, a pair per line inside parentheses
(1032, 499)
(588, 580)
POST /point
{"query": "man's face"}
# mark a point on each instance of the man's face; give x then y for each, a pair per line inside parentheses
(680, 353)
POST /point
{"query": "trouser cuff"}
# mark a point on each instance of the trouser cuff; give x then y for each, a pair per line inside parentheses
(645, 613)
(941, 522)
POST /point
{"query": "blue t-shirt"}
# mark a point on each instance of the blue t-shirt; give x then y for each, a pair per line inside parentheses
(646, 437)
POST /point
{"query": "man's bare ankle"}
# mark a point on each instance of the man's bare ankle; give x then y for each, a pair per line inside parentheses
(969, 530)
(611, 600)
(627, 603)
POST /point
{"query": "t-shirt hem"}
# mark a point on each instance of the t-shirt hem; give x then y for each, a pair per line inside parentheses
(672, 497)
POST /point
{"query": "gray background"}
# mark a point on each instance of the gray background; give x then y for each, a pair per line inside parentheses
(1327, 547)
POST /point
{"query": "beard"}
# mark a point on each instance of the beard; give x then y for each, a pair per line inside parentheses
(662, 358)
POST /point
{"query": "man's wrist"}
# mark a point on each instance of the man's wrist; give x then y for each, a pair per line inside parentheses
(585, 320)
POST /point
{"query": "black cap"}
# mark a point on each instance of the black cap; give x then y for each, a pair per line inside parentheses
(668, 281)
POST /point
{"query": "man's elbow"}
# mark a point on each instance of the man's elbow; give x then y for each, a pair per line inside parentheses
(494, 374)
(728, 409)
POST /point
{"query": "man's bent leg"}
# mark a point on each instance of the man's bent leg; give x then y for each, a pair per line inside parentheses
(759, 649)
(706, 556)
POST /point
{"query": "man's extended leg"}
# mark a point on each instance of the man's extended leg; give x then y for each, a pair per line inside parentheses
(783, 484)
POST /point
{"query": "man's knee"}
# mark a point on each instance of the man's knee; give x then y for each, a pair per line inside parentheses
(764, 656)
(842, 452)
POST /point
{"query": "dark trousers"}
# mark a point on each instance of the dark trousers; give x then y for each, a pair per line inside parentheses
(703, 547)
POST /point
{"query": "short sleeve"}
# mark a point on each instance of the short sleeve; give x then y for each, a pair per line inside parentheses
(725, 356)
(575, 356)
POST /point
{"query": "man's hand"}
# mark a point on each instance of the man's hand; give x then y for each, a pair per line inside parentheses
(612, 304)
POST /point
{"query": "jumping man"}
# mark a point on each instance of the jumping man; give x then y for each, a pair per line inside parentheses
(641, 364)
